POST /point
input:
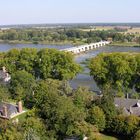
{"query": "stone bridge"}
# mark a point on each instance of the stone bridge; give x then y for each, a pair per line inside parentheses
(87, 47)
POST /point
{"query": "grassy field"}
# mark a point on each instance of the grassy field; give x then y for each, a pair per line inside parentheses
(100, 136)
(105, 137)
(98, 28)
(134, 30)
(105, 28)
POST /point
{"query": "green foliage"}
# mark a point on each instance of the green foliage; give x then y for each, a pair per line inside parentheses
(45, 63)
(62, 35)
(82, 98)
(97, 117)
(86, 129)
(9, 131)
(4, 93)
(55, 64)
(21, 85)
(58, 111)
(33, 127)
(107, 104)
(137, 135)
(120, 70)
(29, 127)
(10, 59)
(125, 125)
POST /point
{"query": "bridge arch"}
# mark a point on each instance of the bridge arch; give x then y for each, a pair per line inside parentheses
(84, 48)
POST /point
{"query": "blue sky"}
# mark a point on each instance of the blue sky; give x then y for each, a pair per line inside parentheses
(68, 11)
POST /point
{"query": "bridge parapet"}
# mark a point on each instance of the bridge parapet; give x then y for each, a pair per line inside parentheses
(86, 47)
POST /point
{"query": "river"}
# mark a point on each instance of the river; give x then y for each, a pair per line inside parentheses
(6, 47)
(81, 79)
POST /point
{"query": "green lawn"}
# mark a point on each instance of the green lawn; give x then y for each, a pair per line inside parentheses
(105, 137)
(100, 136)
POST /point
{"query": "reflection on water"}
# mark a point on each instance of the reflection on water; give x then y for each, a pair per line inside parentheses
(81, 79)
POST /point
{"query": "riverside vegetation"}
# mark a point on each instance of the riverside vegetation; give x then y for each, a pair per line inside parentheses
(120, 71)
(39, 79)
(69, 36)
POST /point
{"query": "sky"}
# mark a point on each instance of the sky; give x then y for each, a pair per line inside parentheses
(68, 11)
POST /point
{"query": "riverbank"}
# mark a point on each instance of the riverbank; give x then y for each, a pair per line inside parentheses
(124, 44)
(67, 42)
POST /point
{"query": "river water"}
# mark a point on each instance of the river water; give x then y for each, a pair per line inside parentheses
(82, 79)
(6, 47)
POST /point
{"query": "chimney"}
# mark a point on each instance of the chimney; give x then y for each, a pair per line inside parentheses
(19, 106)
(7, 74)
(130, 110)
(4, 69)
(127, 96)
(5, 112)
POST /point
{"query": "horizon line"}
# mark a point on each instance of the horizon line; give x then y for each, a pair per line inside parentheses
(62, 23)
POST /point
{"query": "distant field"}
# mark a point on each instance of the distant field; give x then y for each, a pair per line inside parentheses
(133, 30)
(98, 28)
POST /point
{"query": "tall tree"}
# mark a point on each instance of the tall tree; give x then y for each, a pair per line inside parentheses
(21, 84)
(58, 111)
(97, 117)
(120, 70)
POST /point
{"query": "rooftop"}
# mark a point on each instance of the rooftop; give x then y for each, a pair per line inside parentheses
(129, 106)
(8, 110)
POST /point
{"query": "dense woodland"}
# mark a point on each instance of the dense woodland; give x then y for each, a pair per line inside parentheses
(120, 71)
(39, 79)
(63, 35)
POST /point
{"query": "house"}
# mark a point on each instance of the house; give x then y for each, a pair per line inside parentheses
(128, 106)
(9, 111)
(4, 75)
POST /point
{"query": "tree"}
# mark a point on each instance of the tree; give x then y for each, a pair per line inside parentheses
(55, 64)
(137, 135)
(27, 59)
(9, 131)
(117, 69)
(98, 69)
(29, 127)
(10, 59)
(89, 40)
(82, 98)
(136, 80)
(125, 125)
(96, 117)
(58, 111)
(21, 85)
(45, 63)
(107, 104)
(4, 93)
(86, 129)
(33, 127)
